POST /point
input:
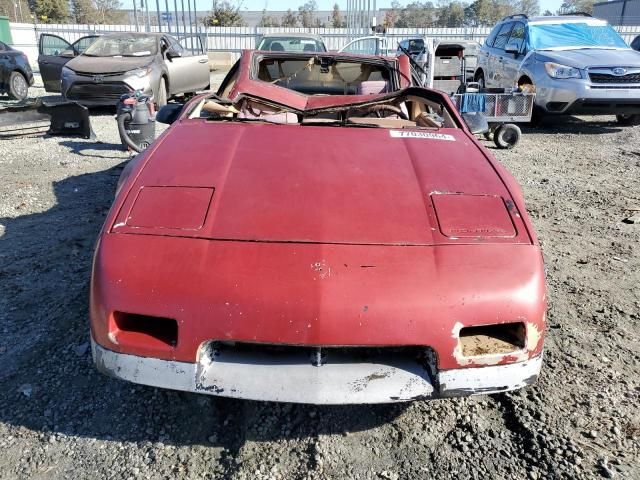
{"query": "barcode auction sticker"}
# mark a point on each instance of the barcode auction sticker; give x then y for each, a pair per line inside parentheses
(413, 134)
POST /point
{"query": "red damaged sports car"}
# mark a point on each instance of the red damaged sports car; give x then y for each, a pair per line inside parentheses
(319, 232)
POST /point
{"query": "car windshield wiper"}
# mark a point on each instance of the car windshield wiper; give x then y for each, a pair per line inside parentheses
(243, 120)
(338, 123)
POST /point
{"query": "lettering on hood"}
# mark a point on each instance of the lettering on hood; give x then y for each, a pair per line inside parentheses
(413, 134)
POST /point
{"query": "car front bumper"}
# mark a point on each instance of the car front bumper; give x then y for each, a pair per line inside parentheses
(98, 90)
(581, 97)
(260, 376)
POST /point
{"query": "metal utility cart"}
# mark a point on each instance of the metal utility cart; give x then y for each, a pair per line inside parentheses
(502, 111)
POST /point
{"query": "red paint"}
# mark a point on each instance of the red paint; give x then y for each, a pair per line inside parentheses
(316, 236)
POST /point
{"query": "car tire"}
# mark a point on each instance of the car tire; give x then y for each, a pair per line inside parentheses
(161, 96)
(628, 120)
(507, 135)
(18, 86)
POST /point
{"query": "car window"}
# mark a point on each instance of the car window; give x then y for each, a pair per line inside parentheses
(492, 36)
(367, 46)
(52, 45)
(2, 47)
(503, 35)
(635, 44)
(82, 44)
(517, 35)
(175, 45)
(291, 44)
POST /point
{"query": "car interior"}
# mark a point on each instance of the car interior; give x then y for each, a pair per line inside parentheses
(325, 76)
(403, 111)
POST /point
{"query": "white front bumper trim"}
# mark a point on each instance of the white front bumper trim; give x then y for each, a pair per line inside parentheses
(262, 378)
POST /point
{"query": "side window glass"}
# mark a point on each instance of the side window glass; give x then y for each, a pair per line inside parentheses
(492, 36)
(517, 35)
(52, 45)
(3, 47)
(82, 44)
(367, 46)
(503, 36)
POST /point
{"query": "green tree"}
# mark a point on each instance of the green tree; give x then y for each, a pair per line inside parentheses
(225, 14)
(83, 11)
(307, 14)
(451, 15)
(417, 14)
(337, 20)
(487, 12)
(289, 19)
(50, 11)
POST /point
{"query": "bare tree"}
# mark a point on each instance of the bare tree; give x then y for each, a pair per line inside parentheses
(307, 13)
(531, 8)
(16, 10)
(289, 20)
(268, 20)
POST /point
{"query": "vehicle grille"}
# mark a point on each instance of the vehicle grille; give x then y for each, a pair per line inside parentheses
(107, 92)
(609, 78)
(103, 75)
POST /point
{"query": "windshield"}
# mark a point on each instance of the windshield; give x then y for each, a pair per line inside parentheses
(573, 35)
(325, 76)
(126, 45)
(291, 44)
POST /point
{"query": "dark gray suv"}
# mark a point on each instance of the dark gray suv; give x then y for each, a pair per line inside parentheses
(579, 65)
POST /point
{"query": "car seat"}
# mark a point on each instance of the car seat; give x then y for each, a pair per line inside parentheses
(371, 87)
(276, 47)
(309, 47)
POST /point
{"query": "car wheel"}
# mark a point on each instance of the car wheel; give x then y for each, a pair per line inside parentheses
(161, 97)
(629, 120)
(507, 135)
(18, 86)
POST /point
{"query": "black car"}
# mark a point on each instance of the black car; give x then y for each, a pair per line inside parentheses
(15, 73)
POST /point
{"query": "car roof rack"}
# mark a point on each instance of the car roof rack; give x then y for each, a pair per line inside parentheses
(576, 14)
(517, 15)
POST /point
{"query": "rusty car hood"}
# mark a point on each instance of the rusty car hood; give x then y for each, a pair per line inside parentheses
(320, 184)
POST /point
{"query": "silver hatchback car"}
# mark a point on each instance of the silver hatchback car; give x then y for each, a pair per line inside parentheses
(579, 65)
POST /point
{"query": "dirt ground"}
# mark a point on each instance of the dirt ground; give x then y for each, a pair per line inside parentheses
(60, 418)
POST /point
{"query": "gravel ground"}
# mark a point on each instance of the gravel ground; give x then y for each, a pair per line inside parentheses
(59, 418)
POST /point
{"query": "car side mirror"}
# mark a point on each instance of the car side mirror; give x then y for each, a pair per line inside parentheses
(171, 54)
(476, 122)
(169, 113)
(512, 47)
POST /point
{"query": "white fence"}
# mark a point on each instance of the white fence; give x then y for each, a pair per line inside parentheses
(236, 39)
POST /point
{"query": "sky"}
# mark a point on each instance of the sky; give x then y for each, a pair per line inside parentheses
(202, 5)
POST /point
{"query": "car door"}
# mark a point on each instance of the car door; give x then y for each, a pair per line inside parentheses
(513, 55)
(187, 64)
(53, 53)
(495, 78)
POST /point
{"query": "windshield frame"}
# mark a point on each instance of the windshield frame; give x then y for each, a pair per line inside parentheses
(100, 42)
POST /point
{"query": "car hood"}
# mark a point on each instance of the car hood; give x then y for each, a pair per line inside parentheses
(592, 57)
(86, 64)
(320, 184)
